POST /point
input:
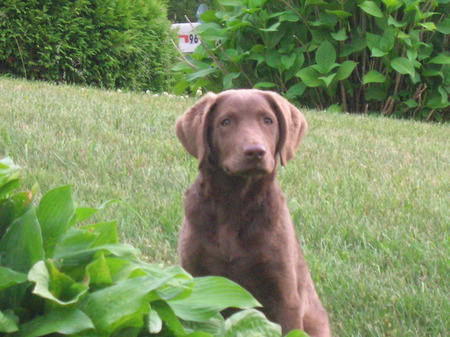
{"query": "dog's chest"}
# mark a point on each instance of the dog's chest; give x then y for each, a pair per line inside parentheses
(233, 236)
(225, 231)
(229, 242)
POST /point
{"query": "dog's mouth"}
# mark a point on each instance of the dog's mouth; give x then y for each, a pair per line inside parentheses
(253, 172)
(248, 172)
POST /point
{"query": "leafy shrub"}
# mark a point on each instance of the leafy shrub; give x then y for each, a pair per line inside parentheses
(60, 276)
(388, 56)
(107, 43)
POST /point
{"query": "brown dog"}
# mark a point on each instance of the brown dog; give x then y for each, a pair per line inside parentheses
(237, 223)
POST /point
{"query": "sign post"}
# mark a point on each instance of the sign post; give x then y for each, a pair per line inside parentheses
(187, 39)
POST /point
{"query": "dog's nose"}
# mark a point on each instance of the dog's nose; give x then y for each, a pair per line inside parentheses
(254, 151)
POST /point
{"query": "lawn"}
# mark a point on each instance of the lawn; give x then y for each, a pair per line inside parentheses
(370, 197)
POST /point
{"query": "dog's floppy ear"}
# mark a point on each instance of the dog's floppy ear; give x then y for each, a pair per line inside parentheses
(191, 125)
(292, 123)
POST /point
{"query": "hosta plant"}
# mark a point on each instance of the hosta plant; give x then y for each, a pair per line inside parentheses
(61, 274)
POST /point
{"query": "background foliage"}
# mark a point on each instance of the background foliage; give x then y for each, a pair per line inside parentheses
(387, 56)
(107, 43)
(178, 9)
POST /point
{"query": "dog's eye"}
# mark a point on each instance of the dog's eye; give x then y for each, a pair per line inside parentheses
(225, 122)
(268, 121)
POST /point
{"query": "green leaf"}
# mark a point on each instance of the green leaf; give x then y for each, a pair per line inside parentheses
(228, 80)
(296, 90)
(55, 211)
(154, 324)
(340, 35)
(315, 2)
(444, 26)
(75, 257)
(289, 16)
(412, 103)
(395, 23)
(297, 333)
(372, 40)
(83, 214)
(209, 296)
(403, 66)
(120, 305)
(376, 52)
(167, 315)
(235, 3)
(412, 54)
(21, 246)
(387, 41)
(13, 208)
(345, 70)
(371, 8)
(122, 270)
(310, 77)
(181, 86)
(201, 73)
(76, 240)
(444, 94)
(272, 28)
(9, 277)
(258, 48)
(357, 45)
(181, 66)
(288, 61)
(260, 85)
(8, 170)
(105, 233)
(325, 20)
(63, 321)
(273, 58)
(374, 76)
(235, 54)
(211, 327)
(432, 72)
(7, 188)
(340, 14)
(405, 37)
(210, 32)
(436, 103)
(334, 108)
(391, 3)
(8, 322)
(99, 274)
(440, 59)
(430, 26)
(250, 323)
(53, 285)
(326, 57)
(328, 79)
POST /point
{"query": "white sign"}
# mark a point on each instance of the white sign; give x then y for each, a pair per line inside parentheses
(187, 39)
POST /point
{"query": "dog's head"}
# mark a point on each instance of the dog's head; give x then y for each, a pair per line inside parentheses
(242, 131)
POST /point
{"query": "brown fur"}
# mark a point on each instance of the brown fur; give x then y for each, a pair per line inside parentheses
(237, 223)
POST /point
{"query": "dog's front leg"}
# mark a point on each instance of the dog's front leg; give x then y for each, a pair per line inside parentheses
(289, 316)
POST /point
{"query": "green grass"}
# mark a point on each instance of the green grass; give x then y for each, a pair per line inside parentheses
(370, 196)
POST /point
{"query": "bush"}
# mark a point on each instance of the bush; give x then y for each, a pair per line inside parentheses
(59, 276)
(107, 43)
(388, 56)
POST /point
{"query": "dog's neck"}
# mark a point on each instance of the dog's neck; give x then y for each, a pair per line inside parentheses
(225, 188)
(220, 200)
